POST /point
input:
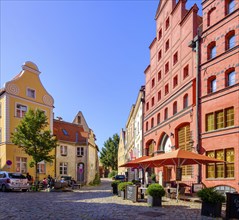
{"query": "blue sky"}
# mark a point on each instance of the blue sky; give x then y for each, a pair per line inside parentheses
(91, 54)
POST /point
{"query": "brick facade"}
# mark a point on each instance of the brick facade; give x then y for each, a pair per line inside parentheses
(219, 131)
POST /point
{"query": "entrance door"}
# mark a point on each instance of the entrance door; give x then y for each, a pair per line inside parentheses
(80, 172)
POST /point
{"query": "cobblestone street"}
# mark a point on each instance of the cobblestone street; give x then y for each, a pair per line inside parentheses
(89, 203)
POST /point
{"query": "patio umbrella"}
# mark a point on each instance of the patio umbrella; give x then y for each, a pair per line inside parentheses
(179, 158)
(137, 163)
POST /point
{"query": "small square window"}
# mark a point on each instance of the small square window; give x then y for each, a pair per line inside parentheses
(31, 93)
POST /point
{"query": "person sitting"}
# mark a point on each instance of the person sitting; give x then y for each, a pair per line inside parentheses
(44, 182)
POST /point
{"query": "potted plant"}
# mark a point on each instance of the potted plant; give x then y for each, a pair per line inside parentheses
(155, 192)
(114, 185)
(211, 202)
(122, 187)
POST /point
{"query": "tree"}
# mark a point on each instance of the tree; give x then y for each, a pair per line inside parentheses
(31, 135)
(109, 153)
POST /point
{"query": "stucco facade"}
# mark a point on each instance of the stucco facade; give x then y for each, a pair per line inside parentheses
(77, 152)
(220, 92)
(121, 153)
(22, 93)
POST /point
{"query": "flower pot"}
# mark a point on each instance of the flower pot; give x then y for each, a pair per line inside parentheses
(154, 201)
(211, 209)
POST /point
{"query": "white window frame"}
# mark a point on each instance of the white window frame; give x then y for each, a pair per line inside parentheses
(63, 168)
(21, 164)
(80, 151)
(41, 167)
(63, 150)
(20, 110)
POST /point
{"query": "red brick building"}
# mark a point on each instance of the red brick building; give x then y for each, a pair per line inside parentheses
(220, 92)
(170, 93)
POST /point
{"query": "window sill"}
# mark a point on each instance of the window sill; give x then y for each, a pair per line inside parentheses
(220, 179)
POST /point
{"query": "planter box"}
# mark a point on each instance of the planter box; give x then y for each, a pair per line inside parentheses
(152, 201)
(122, 194)
(211, 209)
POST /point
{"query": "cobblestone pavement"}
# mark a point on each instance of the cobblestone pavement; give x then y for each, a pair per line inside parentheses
(90, 203)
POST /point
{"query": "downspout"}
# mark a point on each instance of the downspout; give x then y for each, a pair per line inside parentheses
(195, 45)
(142, 147)
(197, 41)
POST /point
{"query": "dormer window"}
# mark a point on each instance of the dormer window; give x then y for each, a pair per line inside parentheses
(65, 132)
(31, 93)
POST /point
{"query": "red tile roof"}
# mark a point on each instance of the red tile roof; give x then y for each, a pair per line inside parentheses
(73, 132)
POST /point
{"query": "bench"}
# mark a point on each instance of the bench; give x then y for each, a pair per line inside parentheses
(76, 186)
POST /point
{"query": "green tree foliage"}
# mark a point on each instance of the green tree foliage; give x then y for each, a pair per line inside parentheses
(32, 136)
(109, 153)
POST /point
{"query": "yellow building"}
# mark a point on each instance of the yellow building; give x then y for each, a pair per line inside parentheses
(22, 93)
(121, 153)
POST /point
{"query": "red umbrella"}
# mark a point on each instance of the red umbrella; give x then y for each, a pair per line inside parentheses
(179, 158)
(136, 163)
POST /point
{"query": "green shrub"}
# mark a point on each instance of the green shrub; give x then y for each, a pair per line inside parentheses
(153, 177)
(210, 195)
(112, 173)
(155, 190)
(122, 186)
(136, 181)
(115, 183)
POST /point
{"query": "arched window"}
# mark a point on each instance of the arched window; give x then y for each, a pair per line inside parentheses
(175, 110)
(165, 113)
(230, 77)
(158, 118)
(210, 16)
(185, 101)
(230, 6)
(211, 50)
(230, 40)
(152, 122)
(212, 84)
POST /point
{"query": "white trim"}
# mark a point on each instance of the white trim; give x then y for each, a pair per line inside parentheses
(17, 103)
(24, 67)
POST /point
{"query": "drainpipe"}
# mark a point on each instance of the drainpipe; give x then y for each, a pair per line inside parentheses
(195, 45)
